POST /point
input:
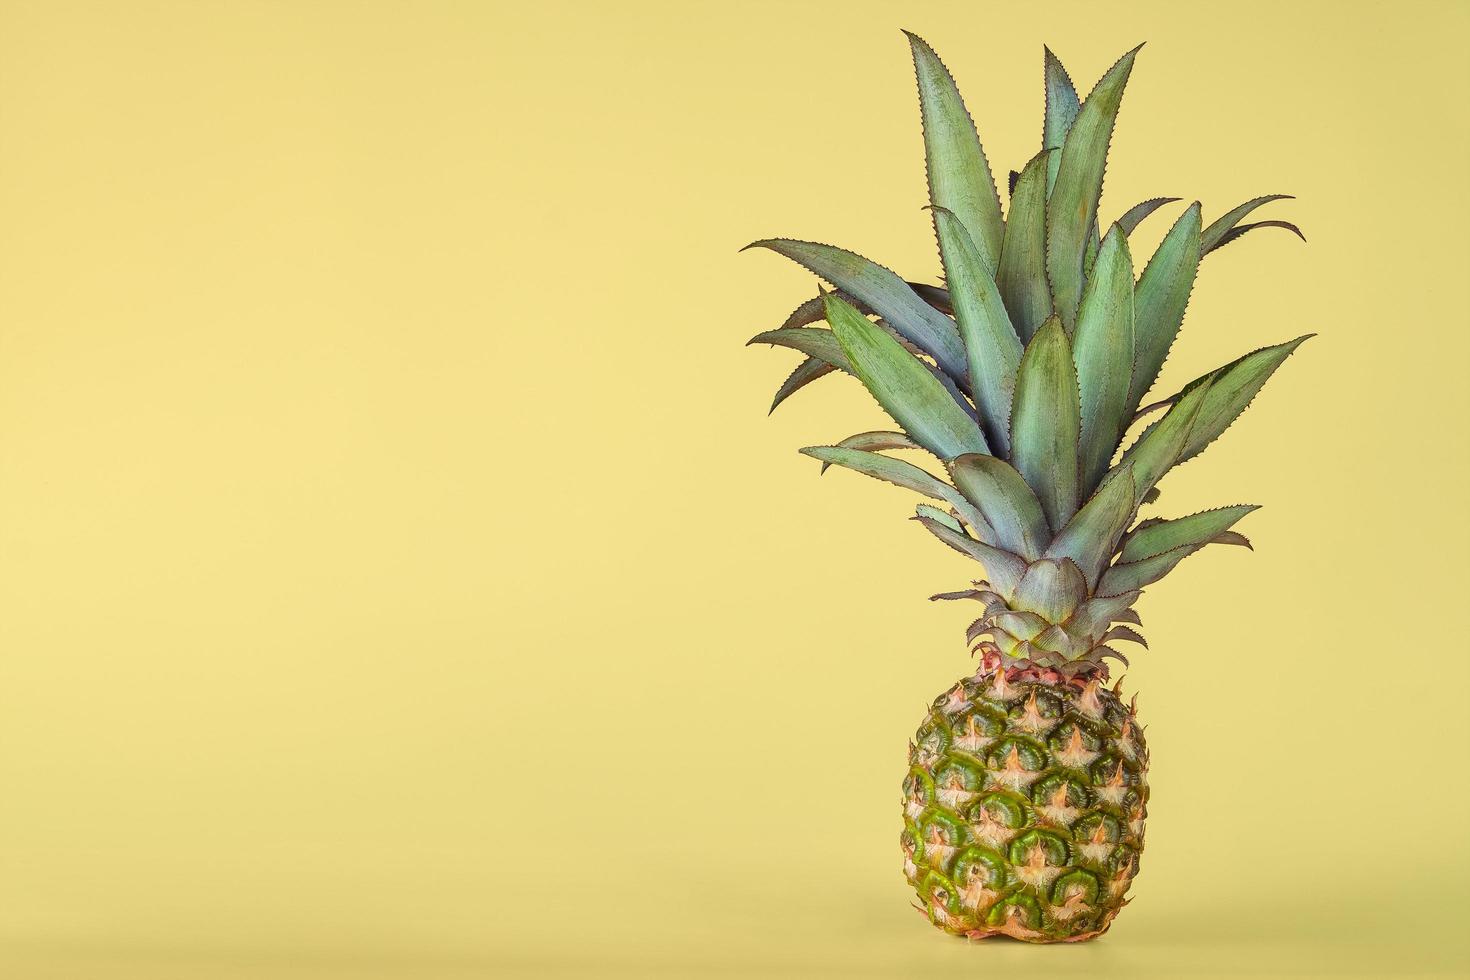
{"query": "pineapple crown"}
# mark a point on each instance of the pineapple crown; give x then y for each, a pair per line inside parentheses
(1023, 374)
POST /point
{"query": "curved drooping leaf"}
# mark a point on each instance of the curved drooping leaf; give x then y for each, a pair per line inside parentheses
(1102, 349)
(959, 174)
(1072, 208)
(1235, 386)
(1045, 422)
(804, 374)
(993, 348)
(1061, 111)
(1160, 299)
(1196, 529)
(939, 516)
(873, 442)
(901, 474)
(1239, 230)
(1021, 276)
(1009, 505)
(1090, 537)
(1134, 216)
(812, 341)
(882, 291)
(1210, 238)
(1052, 589)
(904, 386)
(1124, 633)
(1002, 568)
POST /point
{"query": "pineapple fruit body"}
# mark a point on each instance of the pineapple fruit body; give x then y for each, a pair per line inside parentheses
(1024, 806)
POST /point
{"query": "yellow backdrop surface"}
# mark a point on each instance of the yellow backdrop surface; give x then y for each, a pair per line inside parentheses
(400, 578)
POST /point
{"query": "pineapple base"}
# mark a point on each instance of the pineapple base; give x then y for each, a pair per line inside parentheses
(1024, 805)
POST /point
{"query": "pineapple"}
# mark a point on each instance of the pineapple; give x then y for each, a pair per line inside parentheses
(1021, 379)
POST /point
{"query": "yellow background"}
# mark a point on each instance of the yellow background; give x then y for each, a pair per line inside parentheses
(399, 577)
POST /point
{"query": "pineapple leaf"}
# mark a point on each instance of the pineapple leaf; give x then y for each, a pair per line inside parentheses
(872, 442)
(1160, 299)
(1010, 507)
(1211, 237)
(959, 175)
(1103, 352)
(901, 474)
(904, 386)
(1132, 576)
(1061, 111)
(1196, 529)
(1162, 444)
(1090, 538)
(1235, 386)
(1232, 537)
(1002, 568)
(1134, 216)
(1124, 633)
(994, 349)
(1021, 276)
(805, 373)
(1072, 208)
(883, 292)
(1239, 230)
(1045, 422)
(811, 341)
(940, 516)
(1051, 588)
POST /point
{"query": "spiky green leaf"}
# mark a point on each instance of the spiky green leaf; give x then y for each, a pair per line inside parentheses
(1002, 568)
(882, 291)
(959, 174)
(940, 516)
(1090, 537)
(1213, 236)
(1161, 446)
(1134, 216)
(994, 349)
(1021, 276)
(1196, 529)
(812, 341)
(1103, 352)
(1160, 299)
(873, 442)
(1072, 207)
(901, 474)
(1051, 588)
(1240, 230)
(903, 385)
(804, 374)
(1061, 111)
(1131, 576)
(1045, 422)
(1010, 507)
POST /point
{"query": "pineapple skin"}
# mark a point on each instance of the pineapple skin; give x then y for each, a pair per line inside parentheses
(1024, 806)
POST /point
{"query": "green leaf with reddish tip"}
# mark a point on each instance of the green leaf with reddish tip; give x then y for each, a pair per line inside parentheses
(1239, 230)
(1160, 299)
(1045, 422)
(901, 474)
(942, 517)
(805, 373)
(959, 174)
(1021, 276)
(1196, 529)
(1062, 105)
(812, 341)
(1102, 349)
(1211, 237)
(873, 442)
(1235, 386)
(882, 291)
(1072, 207)
(993, 348)
(1132, 576)
(1051, 588)
(1161, 446)
(904, 386)
(1010, 507)
(1134, 216)
(1002, 568)
(1090, 537)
